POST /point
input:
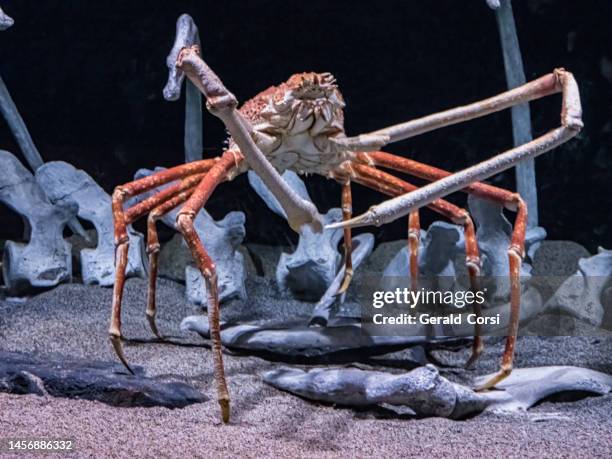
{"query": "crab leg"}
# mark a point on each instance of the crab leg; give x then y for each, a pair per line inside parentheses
(169, 198)
(559, 80)
(153, 248)
(184, 220)
(121, 220)
(391, 185)
(388, 184)
(516, 250)
(222, 103)
(147, 205)
(414, 239)
(571, 124)
(347, 210)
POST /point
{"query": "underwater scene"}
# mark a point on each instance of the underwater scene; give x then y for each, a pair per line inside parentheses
(306, 229)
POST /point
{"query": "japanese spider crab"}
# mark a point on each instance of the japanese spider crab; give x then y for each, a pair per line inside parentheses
(299, 125)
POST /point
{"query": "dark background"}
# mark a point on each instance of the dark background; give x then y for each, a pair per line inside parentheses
(87, 77)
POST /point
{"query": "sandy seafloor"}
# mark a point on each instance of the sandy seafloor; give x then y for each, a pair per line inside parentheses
(73, 319)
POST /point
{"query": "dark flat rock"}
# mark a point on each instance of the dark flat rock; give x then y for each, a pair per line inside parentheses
(344, 339)
(106, 382)
(294, 342)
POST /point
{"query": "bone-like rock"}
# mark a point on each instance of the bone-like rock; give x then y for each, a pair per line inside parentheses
(311, 268)
(63, 183)
(186, 36)
(437, 249)
(587, 294)
(362, 247)
(45, 260)
(5, 20)
(427, 393)
(222, 239)
(493, 233)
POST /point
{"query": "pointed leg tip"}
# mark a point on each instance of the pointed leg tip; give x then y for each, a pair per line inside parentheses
(118, 347)
(154, 329)
(346, 282)
(365, 219)
(225, 410)
(483, 388)
(493, 381)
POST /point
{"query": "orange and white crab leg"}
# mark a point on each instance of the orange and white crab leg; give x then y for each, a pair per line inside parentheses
(571, 123)
(153, 247)
(347, 211)
(559, 80)
(414, 239)
(122, 218)
(388, 184)
(512, 201)
(221, 171)
(222, 103)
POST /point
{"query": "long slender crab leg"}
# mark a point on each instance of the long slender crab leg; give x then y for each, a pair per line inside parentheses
(557, 81)
(218, 173)
(393, 186)
(515, 251)
(571, 123)
(153, 248)
(147, 205)
(414, 239)
(347, 211)
(159, 204)
(120, 195)
(222, 103)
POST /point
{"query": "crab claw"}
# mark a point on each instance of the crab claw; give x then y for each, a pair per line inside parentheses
(153, 326)
(366, 219)
(118, 347)
(363, 142)
(348, 277)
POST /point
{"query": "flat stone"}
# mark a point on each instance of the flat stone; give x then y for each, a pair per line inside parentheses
(343, 338)
(341, 341)
(106, 382)
(427, 393)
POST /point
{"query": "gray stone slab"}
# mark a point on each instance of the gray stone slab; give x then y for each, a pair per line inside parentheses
(425, 392)
(294, 339)
(106, 382)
